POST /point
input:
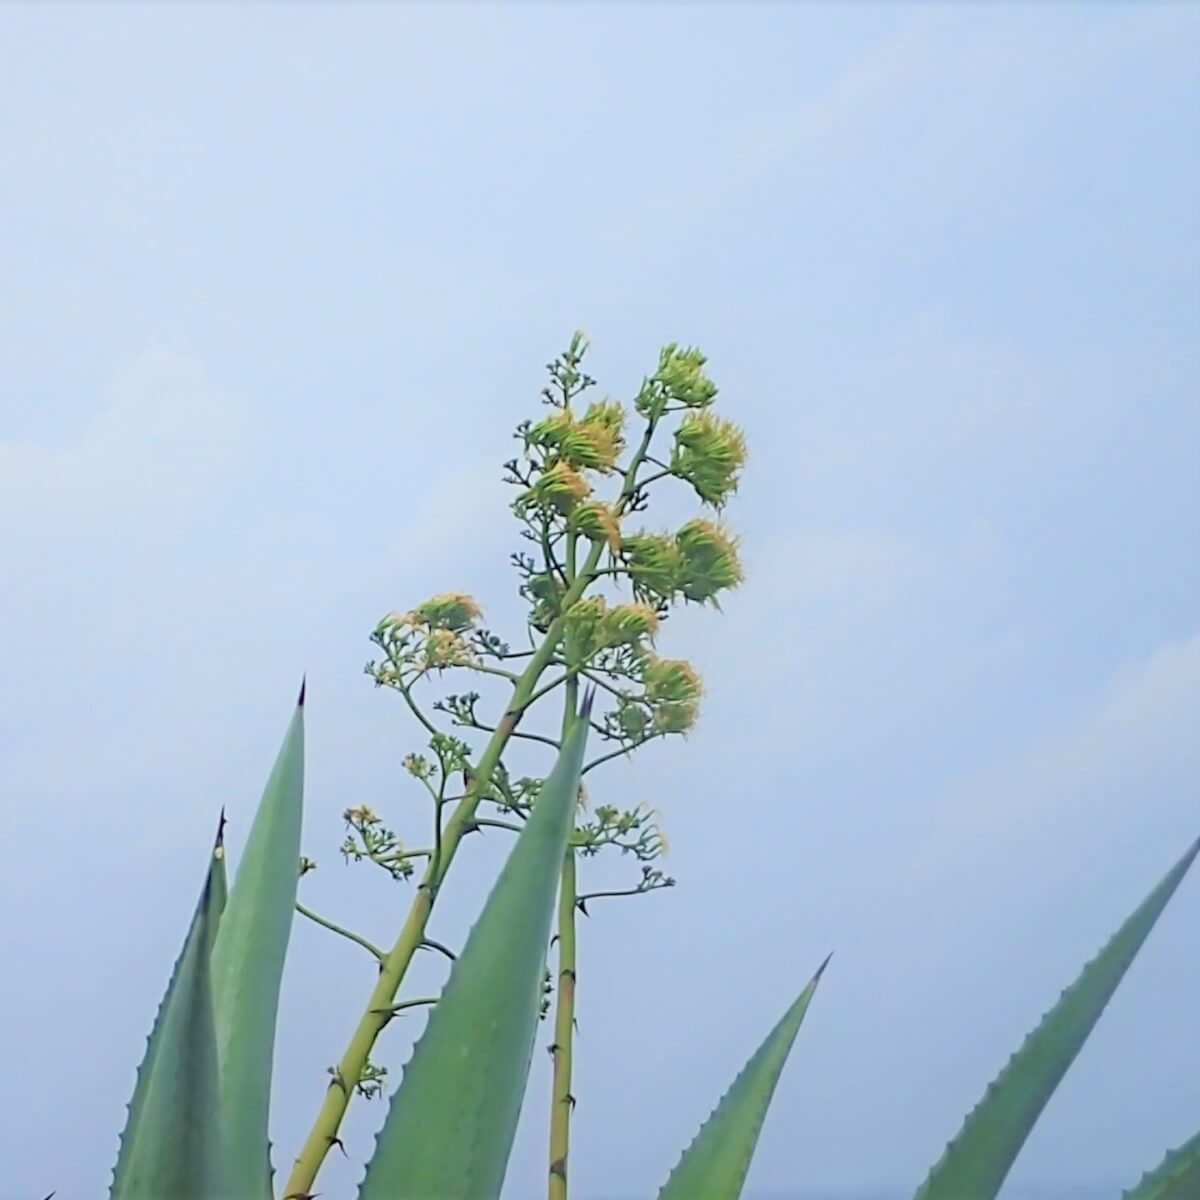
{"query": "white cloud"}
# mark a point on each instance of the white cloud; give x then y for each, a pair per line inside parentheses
(163, 436)
(1129, 762)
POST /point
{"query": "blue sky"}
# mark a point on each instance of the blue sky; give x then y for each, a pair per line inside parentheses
(278, 284)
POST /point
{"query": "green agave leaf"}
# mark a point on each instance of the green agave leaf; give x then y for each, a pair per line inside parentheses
(450, 1127)
(715, 1165)
(978, 1160)
(1177, 1177)
(247, 965)
(172, 1141)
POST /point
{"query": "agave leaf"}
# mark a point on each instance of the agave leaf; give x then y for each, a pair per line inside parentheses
(715, 1165)
(1177, 1177)
(172, 1141)
(450, 1127)
(247, 965)
(978, 1160)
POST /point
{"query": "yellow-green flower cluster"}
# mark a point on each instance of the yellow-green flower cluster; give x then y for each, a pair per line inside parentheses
(630, 625)
(598, 523)
(591, 626)
(582, 624)
(654, 563)
(417, 765)
(709, 453)
(445, 648)
(455, 611)
(560, 487)
(360, 815)
(430, 637)
(710, 560)
(680, 379)
(699, 562)
(604, 422)
(588, 444)
(673, 690)
(545, 592)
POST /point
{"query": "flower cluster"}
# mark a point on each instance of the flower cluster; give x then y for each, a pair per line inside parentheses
(679, 383)
(591, 626)
(588, 443)
(668, 703)
(696, 564)
(634, 831)
(368, 839)
(434, 636)
(709, 453)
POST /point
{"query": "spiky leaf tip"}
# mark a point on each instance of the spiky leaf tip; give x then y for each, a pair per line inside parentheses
(715, 1165)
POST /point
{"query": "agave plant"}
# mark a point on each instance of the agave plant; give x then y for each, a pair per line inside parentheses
(197, 1122)
(197, 1127)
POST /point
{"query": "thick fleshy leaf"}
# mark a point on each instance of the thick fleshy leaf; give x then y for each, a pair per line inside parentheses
(1177, 1177)
(247, 964)
(451, 1124)
(978, 1160)
(172, 1142)
(715, 1165)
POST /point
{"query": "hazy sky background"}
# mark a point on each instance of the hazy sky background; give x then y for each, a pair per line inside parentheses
(278, 283)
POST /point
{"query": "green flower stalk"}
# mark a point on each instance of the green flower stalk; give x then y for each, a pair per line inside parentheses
(562, 1099)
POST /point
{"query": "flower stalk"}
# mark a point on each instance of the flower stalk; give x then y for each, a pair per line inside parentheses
(563, 1100)
(324, 1132)
(561, 1050)
(323, 1135)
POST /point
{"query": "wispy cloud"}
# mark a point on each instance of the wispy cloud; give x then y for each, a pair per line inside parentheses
(160, 439)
